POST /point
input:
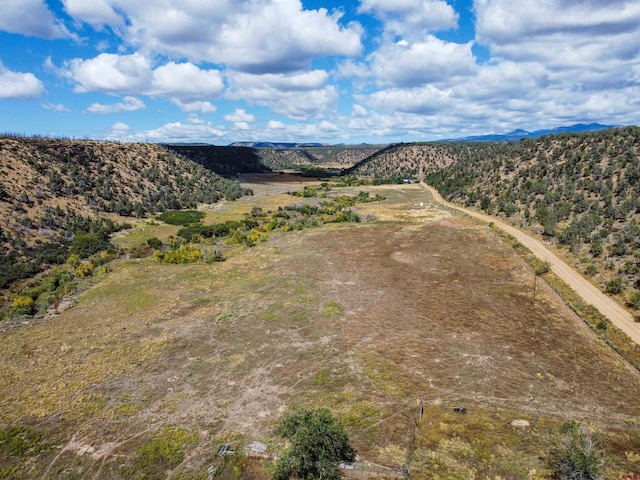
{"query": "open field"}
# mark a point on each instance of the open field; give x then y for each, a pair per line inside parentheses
(367, 319)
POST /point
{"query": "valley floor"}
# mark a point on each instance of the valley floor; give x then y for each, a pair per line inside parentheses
(157, 365)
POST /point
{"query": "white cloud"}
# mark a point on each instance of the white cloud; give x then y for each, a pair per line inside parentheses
(412, 18)
(55, 107)
(429, 61)
(193, 118)
(253, 36)
(93, 12)
(560, 33)
(275, 125)
(170, 132)
(18, 84)
(240, 115)
(134, 74)
(350, 69)
(358, 111)
(120, 128)
(244, 126)
(128, 104)
(298, 95)
(31, 18)
(197, 106)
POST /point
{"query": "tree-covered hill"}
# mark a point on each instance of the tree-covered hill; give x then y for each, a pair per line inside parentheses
(331, 156)
(580, 190)
(51, 190)
(223, 160)
(409, 160)
(234, 159)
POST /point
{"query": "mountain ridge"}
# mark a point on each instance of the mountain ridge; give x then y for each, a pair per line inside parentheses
(519, 134)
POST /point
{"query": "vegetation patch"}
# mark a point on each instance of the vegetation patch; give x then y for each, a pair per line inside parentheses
(162, 453)
(18, 444)
(181, 217)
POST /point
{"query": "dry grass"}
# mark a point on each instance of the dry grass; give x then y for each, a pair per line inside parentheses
(365, 319)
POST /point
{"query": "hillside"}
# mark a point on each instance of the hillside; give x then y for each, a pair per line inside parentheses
(580, 190)
(334, 156)
(52, 189)
(223, 160)
(409, 160)
(261, 158)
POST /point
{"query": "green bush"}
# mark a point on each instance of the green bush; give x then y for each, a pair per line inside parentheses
(86, 244)
(154, 242)
(181, 217)
(577, 455)
(23, 305)
(615, 286)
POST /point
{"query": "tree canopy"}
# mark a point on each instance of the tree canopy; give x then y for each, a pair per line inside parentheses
(318, 443)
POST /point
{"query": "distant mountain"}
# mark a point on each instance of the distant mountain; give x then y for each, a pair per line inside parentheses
(519, 134)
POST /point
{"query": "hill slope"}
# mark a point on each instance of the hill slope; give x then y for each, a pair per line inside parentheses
(223, 160)
(51, 189)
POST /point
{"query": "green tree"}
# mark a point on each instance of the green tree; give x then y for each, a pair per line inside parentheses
(318, 443)
(577, 455)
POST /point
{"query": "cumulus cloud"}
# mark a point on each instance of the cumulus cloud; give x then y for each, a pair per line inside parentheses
(18, 84)
(170, 132)
(412, 18)
(358, 111)
(31, 18)
(134, 74)
(429, 61)
(275, 125)
(240, 115)
(128, 104)
(559, 32)
(298, 95)
(94, 12)
(197, 106)
(266, 36)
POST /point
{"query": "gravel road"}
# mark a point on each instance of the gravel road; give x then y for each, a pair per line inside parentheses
(619, 316)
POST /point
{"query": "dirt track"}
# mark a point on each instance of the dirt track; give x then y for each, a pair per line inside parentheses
(607, 306)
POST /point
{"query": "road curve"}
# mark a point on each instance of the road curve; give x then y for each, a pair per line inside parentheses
(620, 317)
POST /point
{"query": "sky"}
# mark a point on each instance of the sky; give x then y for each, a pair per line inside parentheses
(358, 71)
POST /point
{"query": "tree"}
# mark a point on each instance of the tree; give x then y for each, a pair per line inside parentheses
(318, 443)
(577, 456)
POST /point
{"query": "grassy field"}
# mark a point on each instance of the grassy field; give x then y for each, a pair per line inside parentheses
(157, 365)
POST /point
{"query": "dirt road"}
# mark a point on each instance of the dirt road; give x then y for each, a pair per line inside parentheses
(620, 317)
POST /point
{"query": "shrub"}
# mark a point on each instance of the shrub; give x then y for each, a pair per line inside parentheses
(154, 242)
(182, 254)
(23, 305)
(181, 217)
(615, 286)
(576, 456)
(634, 299)
(84, 270)
(591, 270)
(86, 244)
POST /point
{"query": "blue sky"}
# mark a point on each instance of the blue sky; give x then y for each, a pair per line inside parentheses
(376, 71)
